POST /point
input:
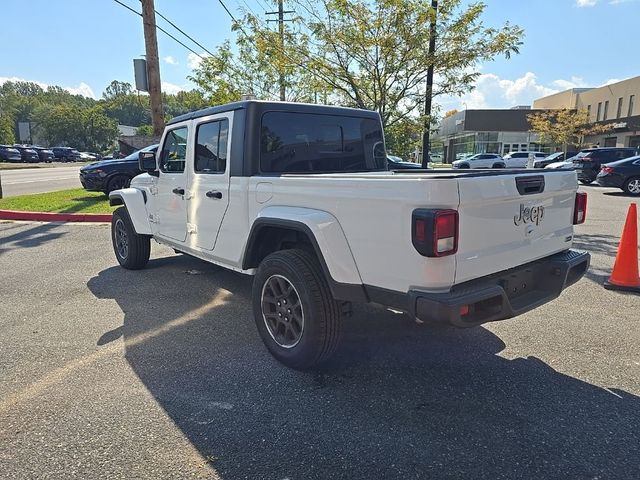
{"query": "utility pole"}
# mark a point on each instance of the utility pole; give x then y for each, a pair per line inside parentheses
(429, 92)
(153, 65)
(281, 11)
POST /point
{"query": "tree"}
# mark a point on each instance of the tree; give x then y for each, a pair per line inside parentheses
(7, 131)
(450, 113)
(145, 130)
(85, 129)
(564, 127)
(366, 54)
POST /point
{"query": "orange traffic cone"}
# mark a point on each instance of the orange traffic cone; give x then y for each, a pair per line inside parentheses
(625, 271)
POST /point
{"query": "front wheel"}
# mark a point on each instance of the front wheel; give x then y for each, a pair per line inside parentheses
(632, 186)
(586, 181)
(498, 165)
(297, 317)
(132, 249)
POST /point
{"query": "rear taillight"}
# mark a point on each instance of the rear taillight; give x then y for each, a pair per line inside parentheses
(607, 169)
(434, 233)
(580, 208)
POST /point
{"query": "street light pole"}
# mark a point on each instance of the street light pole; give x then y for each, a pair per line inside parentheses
(429, 92)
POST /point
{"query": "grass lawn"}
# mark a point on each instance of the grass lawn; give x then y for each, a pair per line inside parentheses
(76, 200)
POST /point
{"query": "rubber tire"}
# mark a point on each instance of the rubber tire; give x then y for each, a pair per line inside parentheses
(464, 165)
(111, 188)
(626, 186)
(139, 245)
(499, 165)
(586, 182)
(322, 320)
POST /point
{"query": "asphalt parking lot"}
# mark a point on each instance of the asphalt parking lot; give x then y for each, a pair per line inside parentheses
(160, 373)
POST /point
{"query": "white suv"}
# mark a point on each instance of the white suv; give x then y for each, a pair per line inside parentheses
(480, 160)
(519, 159)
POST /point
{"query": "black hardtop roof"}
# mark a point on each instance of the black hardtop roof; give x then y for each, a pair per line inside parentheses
(262, 106)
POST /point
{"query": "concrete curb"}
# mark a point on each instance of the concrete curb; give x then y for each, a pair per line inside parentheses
(54, 217)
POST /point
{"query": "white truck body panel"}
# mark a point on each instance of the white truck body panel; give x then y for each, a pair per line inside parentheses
(362, 221)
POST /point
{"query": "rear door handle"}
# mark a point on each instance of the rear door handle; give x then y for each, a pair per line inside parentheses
(214, 194)
(178, 191)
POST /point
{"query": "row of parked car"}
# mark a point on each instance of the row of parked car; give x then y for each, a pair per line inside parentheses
(35, 154)
(608, 166)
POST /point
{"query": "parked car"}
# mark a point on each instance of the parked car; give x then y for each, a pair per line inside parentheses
(588, 162)
(435, 157)
(87, 157)
(480, 160)
(9, 154)
(564, 164)
(624, 174)
(28, 154)
(108, 175)
(44, 154)
(520, 159)
(397, 163)
(554, 157)
(66, 154)
(318, 225)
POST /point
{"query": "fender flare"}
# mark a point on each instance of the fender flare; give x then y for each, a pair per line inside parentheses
(135, 202)
(328, 240)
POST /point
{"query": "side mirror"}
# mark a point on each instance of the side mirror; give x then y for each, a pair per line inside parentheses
(147, 163)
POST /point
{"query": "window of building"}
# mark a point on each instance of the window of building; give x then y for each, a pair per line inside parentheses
(211, 147)
(610, 141)
(631, 99)
(619, 110)
(606, 110)
(174, 151)
(299, 143)
(589, 112)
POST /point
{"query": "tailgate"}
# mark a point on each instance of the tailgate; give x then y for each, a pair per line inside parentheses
(512, 219)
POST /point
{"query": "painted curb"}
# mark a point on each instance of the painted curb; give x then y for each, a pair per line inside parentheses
(54, 217)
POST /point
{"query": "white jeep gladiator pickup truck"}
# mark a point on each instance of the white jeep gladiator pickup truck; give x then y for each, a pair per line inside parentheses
(300, 197)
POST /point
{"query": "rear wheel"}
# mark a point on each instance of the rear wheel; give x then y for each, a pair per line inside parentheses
(632, 186)
(464, 165)
(498, 165)
(118, 182)
(586, 181)
(297, 317)
(132, 249)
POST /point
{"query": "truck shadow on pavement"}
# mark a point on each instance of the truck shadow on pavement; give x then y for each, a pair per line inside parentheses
(28, 238)
(400, 400)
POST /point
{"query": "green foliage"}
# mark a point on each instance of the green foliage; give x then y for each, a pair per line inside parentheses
(146, 130)
(361, 53)
(85, 129)
(564, 127)
(7, 131)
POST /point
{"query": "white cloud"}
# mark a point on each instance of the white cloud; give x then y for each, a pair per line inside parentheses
(193, 60)
(171, 88)
(492, 91)
(574, 82)
(585, 3)
(170, 60)
(82, 89)
(610, 81)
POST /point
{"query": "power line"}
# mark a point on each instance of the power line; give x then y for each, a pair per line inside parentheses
(182, 32)
(161, 29)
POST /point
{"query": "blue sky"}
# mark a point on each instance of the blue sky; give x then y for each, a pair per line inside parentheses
(82, 45)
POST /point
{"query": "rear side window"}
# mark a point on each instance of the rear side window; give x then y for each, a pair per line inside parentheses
(174, 151)
(312, 143)
(211, 147)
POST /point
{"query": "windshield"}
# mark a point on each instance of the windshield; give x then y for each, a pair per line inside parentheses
(553, 156)
(134, 155)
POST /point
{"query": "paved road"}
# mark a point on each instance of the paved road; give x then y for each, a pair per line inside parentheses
(38, 180)
(159, 373)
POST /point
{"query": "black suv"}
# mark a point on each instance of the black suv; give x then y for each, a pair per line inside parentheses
(588, 162)
(28, 154)
(108, 175)
(66, 154)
